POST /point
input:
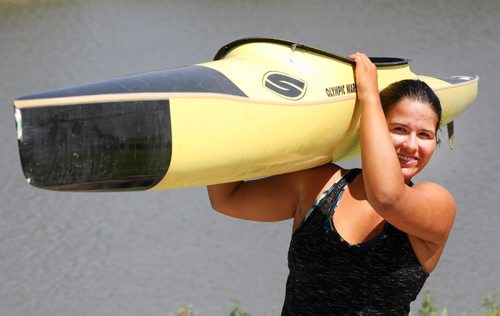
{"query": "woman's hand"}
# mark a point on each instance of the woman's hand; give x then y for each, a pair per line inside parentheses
(365, 75)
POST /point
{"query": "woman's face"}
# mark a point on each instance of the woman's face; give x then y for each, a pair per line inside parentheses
(412, 126)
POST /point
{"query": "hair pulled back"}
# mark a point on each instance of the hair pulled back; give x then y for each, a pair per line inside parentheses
(415, 90)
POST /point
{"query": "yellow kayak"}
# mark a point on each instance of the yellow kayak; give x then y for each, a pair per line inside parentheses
(261, 107)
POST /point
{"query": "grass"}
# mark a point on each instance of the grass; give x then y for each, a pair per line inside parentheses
(489, 307)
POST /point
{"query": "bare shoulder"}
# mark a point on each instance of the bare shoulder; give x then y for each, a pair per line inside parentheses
(436, 193)
(317, 175)
(313, 182)
(429, 213)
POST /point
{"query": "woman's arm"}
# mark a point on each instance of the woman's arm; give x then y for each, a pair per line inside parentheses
(426, 210)
(382, 174)
(269, 199)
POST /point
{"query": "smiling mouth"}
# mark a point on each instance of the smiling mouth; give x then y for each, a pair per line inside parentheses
(406, 159)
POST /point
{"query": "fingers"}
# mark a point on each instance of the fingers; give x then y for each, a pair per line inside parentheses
(361, 58)
(362, 63)
(365, 75)
(358, 56)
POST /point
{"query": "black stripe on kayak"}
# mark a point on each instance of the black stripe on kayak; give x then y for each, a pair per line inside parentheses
(187, 79)
(96, 147)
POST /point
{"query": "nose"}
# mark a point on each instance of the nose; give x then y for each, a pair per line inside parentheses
(411, 142)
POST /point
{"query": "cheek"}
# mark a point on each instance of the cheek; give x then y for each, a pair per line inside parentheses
(431, 146)
(397, 139)
(427, 147)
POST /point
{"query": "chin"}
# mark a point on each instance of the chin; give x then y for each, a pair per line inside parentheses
(409, 174)
(411, 171)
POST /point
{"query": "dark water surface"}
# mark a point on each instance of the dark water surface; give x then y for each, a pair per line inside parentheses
(147, 253)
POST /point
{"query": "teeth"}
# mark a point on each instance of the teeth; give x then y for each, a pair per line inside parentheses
(405, 159)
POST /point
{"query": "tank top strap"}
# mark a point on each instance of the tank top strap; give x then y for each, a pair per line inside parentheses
(337, 185)
(351, 175)
(344, 180)
(336, 190)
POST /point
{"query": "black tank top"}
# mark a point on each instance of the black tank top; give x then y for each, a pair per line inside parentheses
(328, 276)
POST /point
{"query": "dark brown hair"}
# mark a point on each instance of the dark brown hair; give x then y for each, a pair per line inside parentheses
(415, 90)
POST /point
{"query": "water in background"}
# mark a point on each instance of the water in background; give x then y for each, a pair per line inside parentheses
(148, 253)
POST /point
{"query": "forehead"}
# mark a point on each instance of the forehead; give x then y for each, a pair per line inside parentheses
(412, 112)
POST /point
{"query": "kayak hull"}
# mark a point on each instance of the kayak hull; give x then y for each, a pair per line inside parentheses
(261, 107)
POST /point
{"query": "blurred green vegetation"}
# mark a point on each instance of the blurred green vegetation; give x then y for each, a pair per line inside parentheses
(489, 307)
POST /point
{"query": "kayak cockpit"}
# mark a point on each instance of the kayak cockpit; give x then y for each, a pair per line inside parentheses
(379, 61)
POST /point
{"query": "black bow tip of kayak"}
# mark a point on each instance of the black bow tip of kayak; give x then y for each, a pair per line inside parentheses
(95, 147)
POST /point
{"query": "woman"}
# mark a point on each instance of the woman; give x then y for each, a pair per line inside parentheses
(370, 239)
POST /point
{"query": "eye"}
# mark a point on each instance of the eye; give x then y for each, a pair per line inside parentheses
(399, 130)
(426, 135)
